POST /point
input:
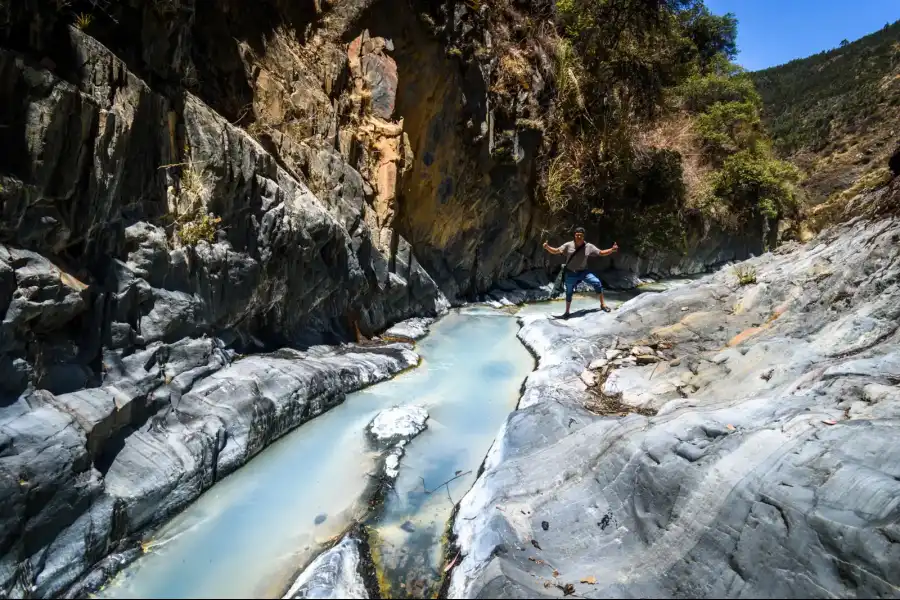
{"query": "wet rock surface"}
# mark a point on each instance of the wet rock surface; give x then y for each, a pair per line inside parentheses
(767, 464)
(69, 508)
(392, 429)
(333, 574)
(412, 329)
(400, 423)
(338, 572)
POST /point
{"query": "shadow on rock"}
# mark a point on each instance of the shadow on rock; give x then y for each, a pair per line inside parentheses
(578, 313)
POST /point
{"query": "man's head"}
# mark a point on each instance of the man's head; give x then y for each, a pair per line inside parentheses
(579, 235)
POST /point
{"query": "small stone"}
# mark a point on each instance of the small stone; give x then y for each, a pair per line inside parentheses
(719, 359)
(612, 354)
(647, 359)
(641, 350)
(598, 363)
(684, 309)
(545, 525)
(588, 378)
(675, 362)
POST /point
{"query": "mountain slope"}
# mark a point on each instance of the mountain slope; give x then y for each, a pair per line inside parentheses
(836, 114)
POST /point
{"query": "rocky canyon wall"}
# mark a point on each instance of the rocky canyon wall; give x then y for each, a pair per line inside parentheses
(186, 183)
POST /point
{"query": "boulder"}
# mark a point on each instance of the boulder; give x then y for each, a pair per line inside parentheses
(412, 329)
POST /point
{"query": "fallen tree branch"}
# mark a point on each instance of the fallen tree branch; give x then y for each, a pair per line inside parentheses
(425, 488)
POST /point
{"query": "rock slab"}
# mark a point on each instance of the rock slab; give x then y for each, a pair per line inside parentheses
(770, 468)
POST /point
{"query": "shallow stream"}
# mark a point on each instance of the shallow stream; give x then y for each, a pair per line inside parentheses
(249, 534)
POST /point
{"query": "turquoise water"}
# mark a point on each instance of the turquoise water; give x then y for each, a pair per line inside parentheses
(249, 534)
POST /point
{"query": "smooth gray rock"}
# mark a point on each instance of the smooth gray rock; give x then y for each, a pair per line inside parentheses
(398, 423)
(333, 574)
(740, 486)
(229, 417)
(130, 337)
(413, 329)
(46, 484)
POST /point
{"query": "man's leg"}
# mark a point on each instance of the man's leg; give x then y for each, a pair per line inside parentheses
(594, 282)
(571, 282)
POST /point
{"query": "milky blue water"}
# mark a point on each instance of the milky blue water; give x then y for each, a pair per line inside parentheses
(249, 534)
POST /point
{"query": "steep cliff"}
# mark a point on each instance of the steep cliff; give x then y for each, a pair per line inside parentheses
(370, 81)
(146, 240)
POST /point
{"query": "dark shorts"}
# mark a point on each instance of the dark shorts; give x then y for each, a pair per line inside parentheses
(573, 278)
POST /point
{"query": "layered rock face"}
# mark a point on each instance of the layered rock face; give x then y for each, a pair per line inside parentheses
(148, 239)
(124, 396)
(768, 469)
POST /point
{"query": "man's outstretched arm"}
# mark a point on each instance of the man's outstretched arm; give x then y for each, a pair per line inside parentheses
(551, 249)
(615, 248)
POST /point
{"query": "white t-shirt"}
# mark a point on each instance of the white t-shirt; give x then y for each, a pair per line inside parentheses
(579, 262)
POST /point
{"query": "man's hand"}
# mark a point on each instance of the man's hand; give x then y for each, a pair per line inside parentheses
(615, 247)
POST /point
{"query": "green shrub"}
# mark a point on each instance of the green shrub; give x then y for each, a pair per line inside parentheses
(192, 223)
(621, 66)
(700, 92)
(745, 274)
(83, 20)
(757, 183)
(203, 228)
(814, 101)
(728, 127)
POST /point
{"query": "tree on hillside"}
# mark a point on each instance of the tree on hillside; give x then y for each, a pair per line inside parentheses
(621, 63)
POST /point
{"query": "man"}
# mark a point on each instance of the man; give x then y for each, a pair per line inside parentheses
(576, 266)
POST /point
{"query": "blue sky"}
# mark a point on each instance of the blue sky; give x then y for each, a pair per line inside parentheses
(773, 32)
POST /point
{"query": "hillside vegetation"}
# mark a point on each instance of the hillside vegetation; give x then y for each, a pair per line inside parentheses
(655, 129)
(836, 115)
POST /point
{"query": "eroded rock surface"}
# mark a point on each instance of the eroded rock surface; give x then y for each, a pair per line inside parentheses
(400, 423)
(392, 429)
(123, 394)
(334, 574)
(770, 468)
(412, 329)
(70, 508)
